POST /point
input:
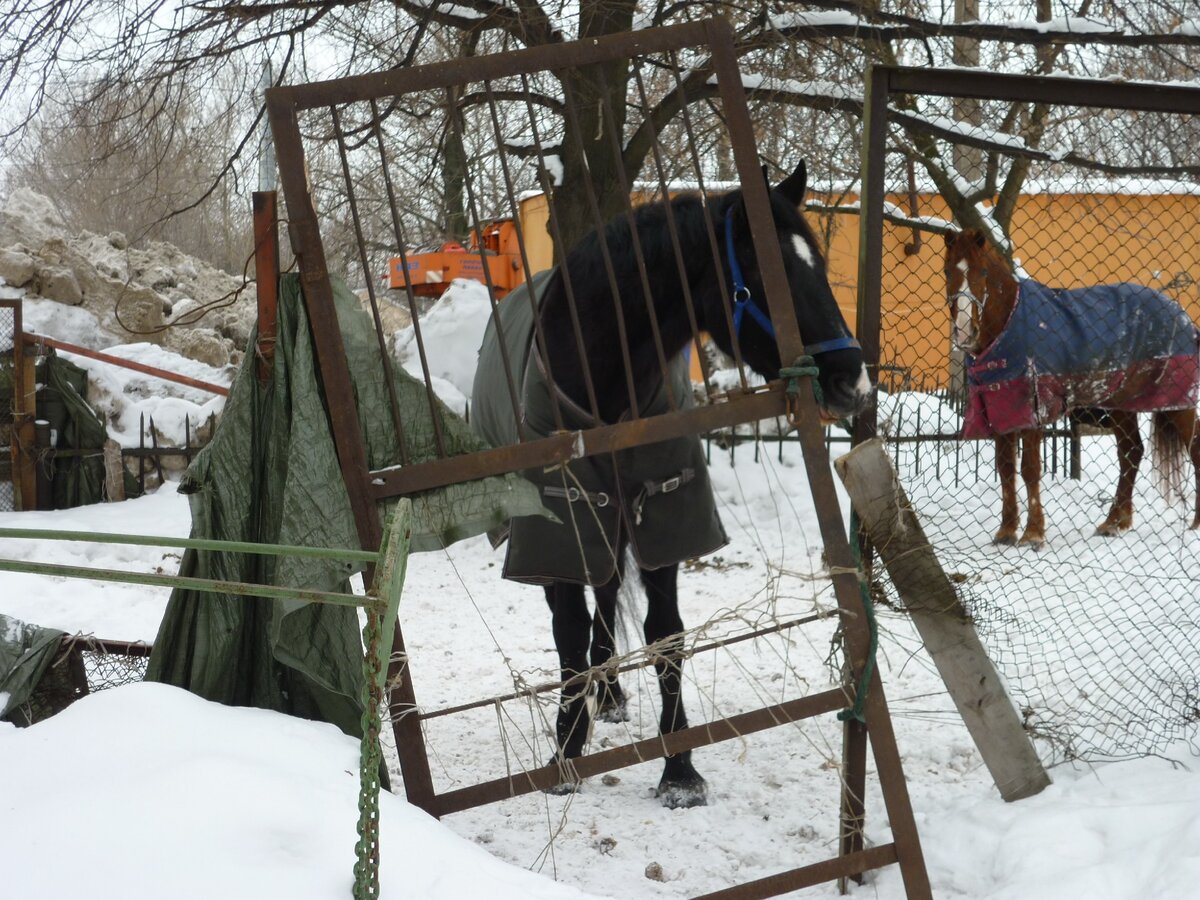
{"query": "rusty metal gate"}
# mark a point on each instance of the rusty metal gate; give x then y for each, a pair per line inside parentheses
(1096, 636)
(344, 148)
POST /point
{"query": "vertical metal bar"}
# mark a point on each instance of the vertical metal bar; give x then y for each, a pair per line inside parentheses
(539, 333)
(401, 248)
(158, 469)
(673, 232)
(713, 243)
(142, 454)
(266, 277)
(755, 193)
(614, 140)
(335, 372)
(870, 273)
(1076, 450)
(870, 243)
(611, 272)
(384, 357)
(564, 268)
(513, 397)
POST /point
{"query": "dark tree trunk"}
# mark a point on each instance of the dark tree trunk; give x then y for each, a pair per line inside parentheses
(598, 94)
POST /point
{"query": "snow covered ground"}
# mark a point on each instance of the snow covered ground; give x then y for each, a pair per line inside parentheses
(146, 789)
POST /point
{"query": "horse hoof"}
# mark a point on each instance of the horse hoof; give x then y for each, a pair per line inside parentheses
(1034, 543)
(1110, 529)
(1005, 540)
(682, 794)
(613, 711)
(571, 781)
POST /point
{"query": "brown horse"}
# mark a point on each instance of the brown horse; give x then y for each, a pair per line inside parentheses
(1013, 391)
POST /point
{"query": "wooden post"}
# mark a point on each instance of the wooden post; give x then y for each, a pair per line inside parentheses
(940, 619)
(266, 274)
(114, 472)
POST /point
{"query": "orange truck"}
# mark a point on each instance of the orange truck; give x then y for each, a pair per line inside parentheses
(431, 272)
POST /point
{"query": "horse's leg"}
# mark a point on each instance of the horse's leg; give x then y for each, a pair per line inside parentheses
(1129, 457)
(572, 625)
(681, 785)
(1031, 475)
(1006, 468)
(610, 699)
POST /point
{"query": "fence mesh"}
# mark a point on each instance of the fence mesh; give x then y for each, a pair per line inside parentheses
(84, 665)
(1096, 636)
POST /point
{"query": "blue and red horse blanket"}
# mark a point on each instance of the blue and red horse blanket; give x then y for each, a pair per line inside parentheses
(1119, 347)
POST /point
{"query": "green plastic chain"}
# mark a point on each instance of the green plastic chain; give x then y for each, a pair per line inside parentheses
(366, 868)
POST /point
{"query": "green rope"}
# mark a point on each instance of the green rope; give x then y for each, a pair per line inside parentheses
(860, 696)
(804, 366)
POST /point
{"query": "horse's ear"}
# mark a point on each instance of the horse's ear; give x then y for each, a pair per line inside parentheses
(794, 186)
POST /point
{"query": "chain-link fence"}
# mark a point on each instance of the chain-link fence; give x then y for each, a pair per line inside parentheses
(83, 665)
(1096, 634)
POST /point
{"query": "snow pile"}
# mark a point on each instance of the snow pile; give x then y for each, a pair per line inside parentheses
(130, 292)
(451, 332)
(177, 797)
(180, 414)
(97, 292)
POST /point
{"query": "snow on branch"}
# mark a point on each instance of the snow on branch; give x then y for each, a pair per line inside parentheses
(841, 18)
(891, 213)
(966, 134)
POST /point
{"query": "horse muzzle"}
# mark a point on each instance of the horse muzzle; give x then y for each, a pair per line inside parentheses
(844, 395)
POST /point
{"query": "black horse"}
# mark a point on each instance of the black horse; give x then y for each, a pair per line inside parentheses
(614, 504)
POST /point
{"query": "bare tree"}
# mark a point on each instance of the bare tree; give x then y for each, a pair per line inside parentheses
(803, 60)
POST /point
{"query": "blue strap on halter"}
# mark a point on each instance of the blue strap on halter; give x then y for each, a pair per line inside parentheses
(842, 343)
(744, 303)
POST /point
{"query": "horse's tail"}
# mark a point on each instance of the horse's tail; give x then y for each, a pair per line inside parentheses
(1170, 449)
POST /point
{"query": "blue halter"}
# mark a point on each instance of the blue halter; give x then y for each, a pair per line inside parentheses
(744, 303)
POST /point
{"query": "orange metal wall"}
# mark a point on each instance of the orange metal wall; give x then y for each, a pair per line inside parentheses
(1067, 240)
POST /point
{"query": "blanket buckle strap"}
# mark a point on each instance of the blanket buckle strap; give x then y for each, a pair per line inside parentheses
(666, 486)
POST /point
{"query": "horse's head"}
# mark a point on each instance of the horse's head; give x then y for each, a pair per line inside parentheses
(843, 379)
(980, 288)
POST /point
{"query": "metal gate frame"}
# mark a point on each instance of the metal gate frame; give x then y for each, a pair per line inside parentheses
(365, 487)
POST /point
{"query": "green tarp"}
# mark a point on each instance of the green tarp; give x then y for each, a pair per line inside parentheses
(25, 653)
(77, 478)
(271, 475)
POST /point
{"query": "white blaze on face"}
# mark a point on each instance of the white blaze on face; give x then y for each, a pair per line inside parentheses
(803, 251)
(964, 327)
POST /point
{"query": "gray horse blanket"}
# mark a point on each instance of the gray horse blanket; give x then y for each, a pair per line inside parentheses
(1118, 347)
(657, 496)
